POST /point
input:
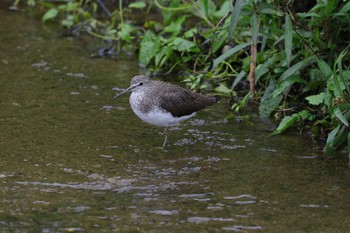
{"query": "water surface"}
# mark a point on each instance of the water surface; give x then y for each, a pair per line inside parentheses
(72, 159)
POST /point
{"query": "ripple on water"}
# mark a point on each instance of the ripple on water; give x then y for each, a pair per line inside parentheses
(212, 139)
(208, 159)
(217, 206)
(147, 196)
(185, 142)
(43, 65)
(251, 199)
(239, 196)
(195, 195)
(110, 107)
(307, 157)
(102, 183)
(72, 229)
(164, 212)
(76, 75)
(80, 209)
(314, 206)
(205, 219)
(239, 228)
(106, 156)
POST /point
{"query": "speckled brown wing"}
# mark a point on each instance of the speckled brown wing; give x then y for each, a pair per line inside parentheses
(182, 102)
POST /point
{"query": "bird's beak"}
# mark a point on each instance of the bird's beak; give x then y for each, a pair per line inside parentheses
(125, 91)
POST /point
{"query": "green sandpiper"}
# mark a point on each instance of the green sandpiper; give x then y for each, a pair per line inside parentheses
(164, 104)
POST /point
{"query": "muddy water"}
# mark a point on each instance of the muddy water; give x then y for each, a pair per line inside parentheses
(72, 159)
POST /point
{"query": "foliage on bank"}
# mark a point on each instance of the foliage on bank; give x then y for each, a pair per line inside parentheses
(292, 57)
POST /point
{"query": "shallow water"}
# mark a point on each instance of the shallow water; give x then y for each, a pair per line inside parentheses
(72, 159)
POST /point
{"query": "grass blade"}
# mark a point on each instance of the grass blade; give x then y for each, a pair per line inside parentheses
(340, 68)
(262, 69)
(238, 79)
(330, 140)
(236, 12)
(288, 39)
(345, 8)
(298, 66)
(229, 53)
(340, 116)
(324, 67)
(254, 24)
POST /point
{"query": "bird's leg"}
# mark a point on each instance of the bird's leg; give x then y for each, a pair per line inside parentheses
(165, 137)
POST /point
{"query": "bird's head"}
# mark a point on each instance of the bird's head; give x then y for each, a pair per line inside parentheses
(136, 83)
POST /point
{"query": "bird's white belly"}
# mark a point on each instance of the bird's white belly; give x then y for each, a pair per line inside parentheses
(160, 118)
(156, 116)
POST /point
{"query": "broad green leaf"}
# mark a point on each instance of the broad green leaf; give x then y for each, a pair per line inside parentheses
(137, 5)
(149, 47)
(125, 32)
(229, 53)
(316, 99)
(306, 115)
(328, 98)
(224, 10)
(324, 67)
(340, 116)
(68, 21)
(235, 17)
(286, 123)
(52, 13)
(181, 45)
(297, 67)
(175, 26)
(288, 38)
(190, 33)
(204, 9)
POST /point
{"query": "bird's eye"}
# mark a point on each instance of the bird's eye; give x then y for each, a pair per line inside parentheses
(141, 83)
